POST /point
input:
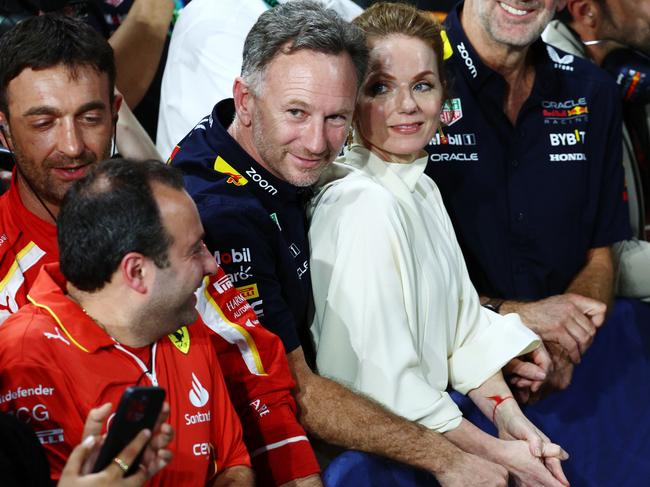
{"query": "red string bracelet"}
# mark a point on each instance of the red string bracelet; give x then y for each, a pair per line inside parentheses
(497, 401)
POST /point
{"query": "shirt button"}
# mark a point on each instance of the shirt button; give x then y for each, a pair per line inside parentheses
(515, 163)
(520, 216)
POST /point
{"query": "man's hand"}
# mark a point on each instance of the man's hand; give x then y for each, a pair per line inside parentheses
(560, 377)
(76, 472)
(155, 457)
(569, 320)
(527, 373)
(467, 469)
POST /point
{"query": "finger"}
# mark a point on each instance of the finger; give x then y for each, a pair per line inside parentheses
(528, 370)
(551, 450)
(536, 386)
(161, 460)
(535, 445)
(78, 456)
(130, 452)
(521, 383)
(580, 336)
(555, 467)
(162, 417)
(523, 395)
(542, 359)
(570, 345)
(163, 437)
(585, 323)
(595, 310)
(95, 420)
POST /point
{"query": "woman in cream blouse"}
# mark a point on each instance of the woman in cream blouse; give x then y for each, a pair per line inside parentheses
(397, 317)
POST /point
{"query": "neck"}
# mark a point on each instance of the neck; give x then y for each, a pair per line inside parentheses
(244, 137)
(43, 209)
(512, 63)
(115, 321)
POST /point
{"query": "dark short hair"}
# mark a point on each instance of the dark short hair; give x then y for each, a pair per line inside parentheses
(50, 40)
(109, 213)
(297, 25)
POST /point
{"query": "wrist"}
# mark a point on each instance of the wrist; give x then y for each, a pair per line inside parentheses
(493, 304)
(502, 408)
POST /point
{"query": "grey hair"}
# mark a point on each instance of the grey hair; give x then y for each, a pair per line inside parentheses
(296, 25)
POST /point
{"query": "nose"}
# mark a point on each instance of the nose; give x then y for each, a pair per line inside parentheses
(405, 101)
(209, 262)
(70, 139)
(315, 139)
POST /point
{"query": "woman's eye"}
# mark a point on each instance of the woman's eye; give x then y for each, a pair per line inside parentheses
(423, 86)
(377, 89)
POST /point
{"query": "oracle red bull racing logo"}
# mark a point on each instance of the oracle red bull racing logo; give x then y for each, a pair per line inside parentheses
(234, 177)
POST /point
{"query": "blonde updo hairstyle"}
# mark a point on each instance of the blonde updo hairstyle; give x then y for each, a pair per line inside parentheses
(384, 19)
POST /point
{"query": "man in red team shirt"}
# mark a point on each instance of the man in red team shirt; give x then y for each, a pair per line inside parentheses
(132, 256)
(57, 115)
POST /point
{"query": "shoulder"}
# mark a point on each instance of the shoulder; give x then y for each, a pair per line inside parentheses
(354, 192)
(576, 72)
(356, 203)
(24, 337)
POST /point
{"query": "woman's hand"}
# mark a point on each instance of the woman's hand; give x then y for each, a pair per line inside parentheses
(513, 425)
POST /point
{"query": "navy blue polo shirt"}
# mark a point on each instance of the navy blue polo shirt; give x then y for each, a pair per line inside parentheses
(254, 222)
(529, 200)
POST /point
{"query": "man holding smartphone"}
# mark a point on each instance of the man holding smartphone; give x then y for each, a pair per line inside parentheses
(132, 255)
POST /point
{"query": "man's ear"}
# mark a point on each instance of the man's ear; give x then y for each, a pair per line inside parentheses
(584, 13)
(133, 269)
(244, 101)
(5, 133)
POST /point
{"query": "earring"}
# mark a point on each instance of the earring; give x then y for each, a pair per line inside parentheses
(350, 138)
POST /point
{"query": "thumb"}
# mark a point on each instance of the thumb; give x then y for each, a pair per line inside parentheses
(76, 459)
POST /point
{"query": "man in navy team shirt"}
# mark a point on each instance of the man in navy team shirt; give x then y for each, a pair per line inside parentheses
(529, 166)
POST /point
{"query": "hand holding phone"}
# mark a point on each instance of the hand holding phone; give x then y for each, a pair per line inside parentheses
(138, 409)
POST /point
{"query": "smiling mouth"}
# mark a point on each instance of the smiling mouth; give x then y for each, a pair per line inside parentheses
(512, 10)
(72, 172)
(407, 127)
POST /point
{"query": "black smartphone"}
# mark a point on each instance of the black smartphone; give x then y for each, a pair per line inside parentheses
(138, 409)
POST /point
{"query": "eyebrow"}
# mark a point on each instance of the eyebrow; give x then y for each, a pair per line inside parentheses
(49, 110)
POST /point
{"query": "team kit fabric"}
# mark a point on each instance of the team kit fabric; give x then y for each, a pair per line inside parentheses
(26, 243)
(254, 223)
(252, 358)
(58, 364)
(528, 201)
(397, 317)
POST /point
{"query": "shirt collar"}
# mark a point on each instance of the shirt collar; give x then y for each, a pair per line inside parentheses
(49, 294)
(247, 171)
(481, 77)
(409, 174)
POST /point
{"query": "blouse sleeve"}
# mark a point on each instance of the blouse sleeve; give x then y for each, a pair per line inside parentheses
(361, 269)
(485, 341)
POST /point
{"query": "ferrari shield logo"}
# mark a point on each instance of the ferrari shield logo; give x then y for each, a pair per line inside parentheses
(181, 339)
(452, 112)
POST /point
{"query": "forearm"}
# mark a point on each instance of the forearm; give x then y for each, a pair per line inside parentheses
(138, 44)
(310, 481)
(471, 439)
(489, 395)
(235, 476)
(132, 140)
(337, 415)
(596, 279)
